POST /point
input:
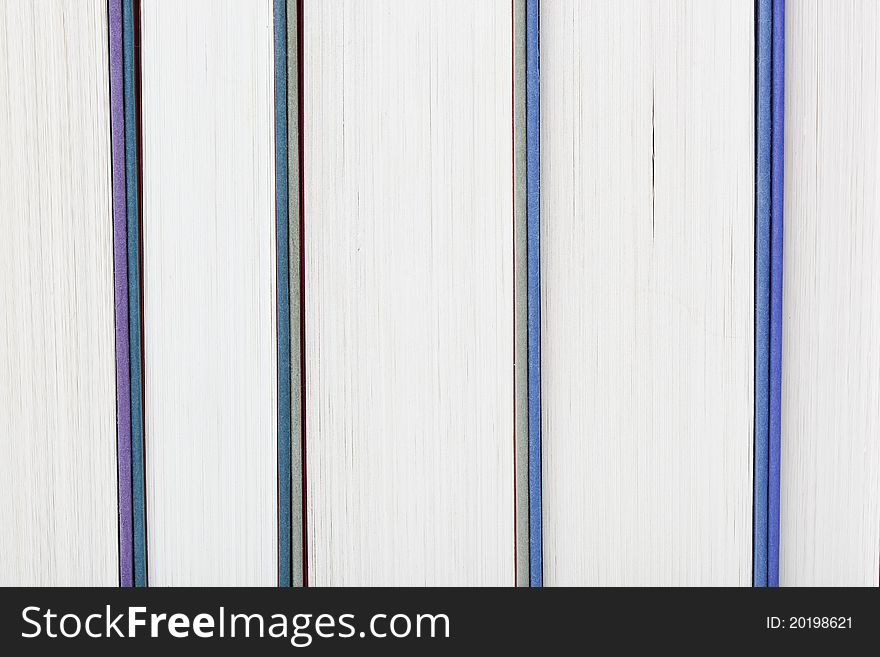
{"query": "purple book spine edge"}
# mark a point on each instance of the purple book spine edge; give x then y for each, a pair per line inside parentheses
(120, 280)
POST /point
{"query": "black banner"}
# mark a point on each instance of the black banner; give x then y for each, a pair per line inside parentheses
(434, 621)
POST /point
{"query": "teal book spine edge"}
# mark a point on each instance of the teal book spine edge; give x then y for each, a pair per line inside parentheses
(131, 75)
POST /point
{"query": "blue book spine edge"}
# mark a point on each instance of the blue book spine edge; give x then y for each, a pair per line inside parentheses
(536, 575)
(132, 200)
(762, 287)
(283, 293)
(776, 244)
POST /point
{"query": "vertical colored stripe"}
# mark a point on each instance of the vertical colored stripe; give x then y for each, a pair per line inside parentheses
(536, 574)
(283, 292)
(776, 232)
(297, 459)
(120, 281)
(521, 298)
(138, 492)
(297, 462)
(762, 286)
(302, 575)
(770, 166)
